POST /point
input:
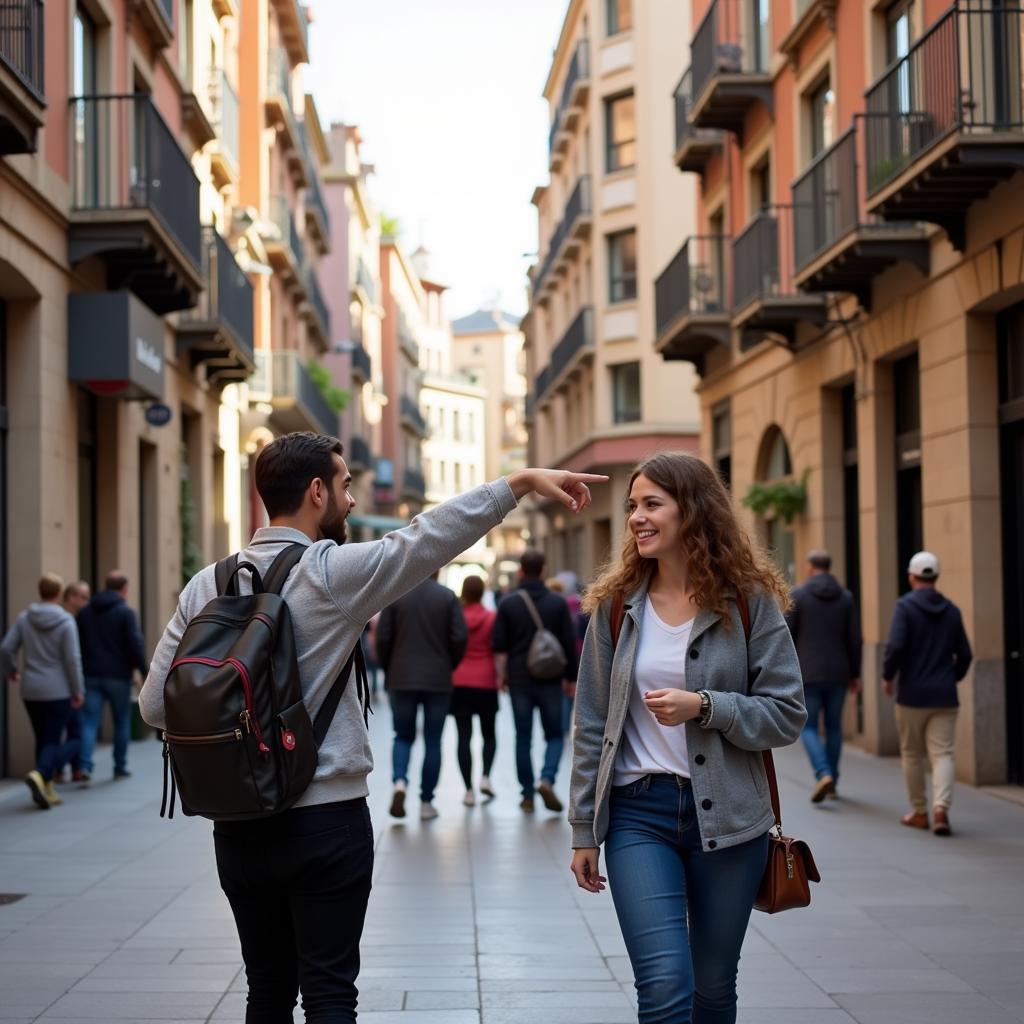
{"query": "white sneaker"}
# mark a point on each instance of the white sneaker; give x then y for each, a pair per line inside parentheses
(469, 800)
(486, 788)
(427, 811)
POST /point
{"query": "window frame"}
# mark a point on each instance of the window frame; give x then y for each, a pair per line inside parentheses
(613, 22)
(622, 287)
(613, 148)
(622, 411)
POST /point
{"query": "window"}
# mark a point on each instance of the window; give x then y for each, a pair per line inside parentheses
(906, 389)
(84, 55)
(822, 102)
(620, 131)
(721, 442)
(761, 51)
(761, 186)
(87, 177)
(622, 266)
(626, 393)
(778, 534)
(898, 30)
(620, 16)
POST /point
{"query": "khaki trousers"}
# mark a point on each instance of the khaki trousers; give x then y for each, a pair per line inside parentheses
(926, 737)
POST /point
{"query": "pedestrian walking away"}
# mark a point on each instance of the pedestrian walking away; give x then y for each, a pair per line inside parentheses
(520, 618)
(76, 597)
(299, 906)
(825, 626)
(674, 705)
(51, 682)
(112, 651)
(926, 655)
(476, 689)
(420, 640)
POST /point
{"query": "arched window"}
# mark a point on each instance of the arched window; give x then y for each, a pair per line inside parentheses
(775, 466)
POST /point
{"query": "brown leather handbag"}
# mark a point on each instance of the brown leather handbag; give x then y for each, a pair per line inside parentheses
(786, 883)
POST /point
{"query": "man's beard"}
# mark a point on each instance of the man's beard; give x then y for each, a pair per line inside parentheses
(333, 526)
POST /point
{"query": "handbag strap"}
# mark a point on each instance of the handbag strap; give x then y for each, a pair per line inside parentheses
(532, 608)
(766, 755)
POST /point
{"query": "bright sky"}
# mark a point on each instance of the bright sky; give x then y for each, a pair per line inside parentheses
(447, 96)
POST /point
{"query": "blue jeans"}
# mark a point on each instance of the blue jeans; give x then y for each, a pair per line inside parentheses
(827, 699)
(683, 912)
(404, 705)
(546, 698)
(99, 690)
(49, 718)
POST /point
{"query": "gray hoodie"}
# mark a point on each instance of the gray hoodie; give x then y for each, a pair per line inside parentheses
(331, 594)
(52, 659)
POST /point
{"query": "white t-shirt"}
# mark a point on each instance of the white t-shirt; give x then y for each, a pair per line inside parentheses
(647, 747)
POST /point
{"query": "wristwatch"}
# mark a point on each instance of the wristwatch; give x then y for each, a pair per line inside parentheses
(707, 707)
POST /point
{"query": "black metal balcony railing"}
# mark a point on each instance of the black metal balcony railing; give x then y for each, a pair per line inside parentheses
(225, 120)
(279, 78)
(579, 336)
(413, 482)
(964, 74)
(684, 103)
(228, 295)
(358, 452)
(125, 157)
(763, 257)
(314, 193)
(717, 45)
(281, 215)
(579, 70)
(364, 279)
(21, 42)
(693, 283)
(578, 206)
(361, 362)
(167, 9)
(282, 377)
(316, 300)
(410, 410)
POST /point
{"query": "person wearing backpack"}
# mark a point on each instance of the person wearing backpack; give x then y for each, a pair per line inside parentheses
(298, 880)
(534, 628)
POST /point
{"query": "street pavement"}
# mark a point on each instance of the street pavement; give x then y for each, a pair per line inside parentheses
(475, 919)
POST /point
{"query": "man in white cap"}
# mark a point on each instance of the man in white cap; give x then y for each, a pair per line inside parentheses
(927, 654)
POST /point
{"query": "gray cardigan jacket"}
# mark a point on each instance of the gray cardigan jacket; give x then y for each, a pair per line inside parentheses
(758, 704)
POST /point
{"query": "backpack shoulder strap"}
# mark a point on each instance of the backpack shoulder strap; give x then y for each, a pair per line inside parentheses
(286, 560)
(324, 717)
(225, 575)
(531, 608)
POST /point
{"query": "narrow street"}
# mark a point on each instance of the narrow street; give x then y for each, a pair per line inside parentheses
(474, 918)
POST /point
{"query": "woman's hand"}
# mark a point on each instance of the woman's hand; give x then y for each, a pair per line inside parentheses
(672, 706)
(584, 867)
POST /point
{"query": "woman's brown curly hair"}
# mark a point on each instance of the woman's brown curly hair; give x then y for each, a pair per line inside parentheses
(720, 557)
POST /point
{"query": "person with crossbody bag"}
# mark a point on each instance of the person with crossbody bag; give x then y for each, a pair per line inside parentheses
(674, 707)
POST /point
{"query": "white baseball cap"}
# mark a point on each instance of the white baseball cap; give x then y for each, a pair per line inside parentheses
(924, 565)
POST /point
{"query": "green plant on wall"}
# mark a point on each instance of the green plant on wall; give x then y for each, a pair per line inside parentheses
(782, 499)
(191, 555)
(336, 398)
(389, 226)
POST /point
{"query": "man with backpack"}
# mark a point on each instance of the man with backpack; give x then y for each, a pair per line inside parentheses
(298, 881)
(534, 628)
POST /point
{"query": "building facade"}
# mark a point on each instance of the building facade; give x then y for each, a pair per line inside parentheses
(600, 398)
(852, 299)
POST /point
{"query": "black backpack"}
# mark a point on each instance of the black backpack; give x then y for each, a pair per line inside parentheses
(239, 741)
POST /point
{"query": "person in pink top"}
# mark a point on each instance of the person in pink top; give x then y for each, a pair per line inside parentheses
(475, 682)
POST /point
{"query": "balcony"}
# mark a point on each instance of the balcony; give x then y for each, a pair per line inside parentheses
(568, 236)
(279, 105)
(411, 417)
(357, 455)
(765, 298)
(570, 104)
(314, 310)
(414, 487)
(729, 67)
(318, 220)
(218, 333)
(574, 350)
(838, 246)
(945, 124)
(297, 404)
(294, 28)
(157, 18)
(135, 201)
(366, 286)
(224, 117)
(22, 100)
(285, 248)
(694, 146)
(691, 302)
(362, 365)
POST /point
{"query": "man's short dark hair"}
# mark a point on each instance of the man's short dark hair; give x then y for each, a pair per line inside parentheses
(289, 464)
(532, 563)
(820, 559)
(115, 580)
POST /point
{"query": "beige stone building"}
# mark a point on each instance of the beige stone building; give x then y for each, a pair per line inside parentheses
(863, 205)
(126, 323)
(613, 212)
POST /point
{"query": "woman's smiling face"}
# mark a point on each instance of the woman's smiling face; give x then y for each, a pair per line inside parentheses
(654, 519)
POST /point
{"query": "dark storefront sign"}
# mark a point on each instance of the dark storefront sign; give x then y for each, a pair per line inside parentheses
(115, 346)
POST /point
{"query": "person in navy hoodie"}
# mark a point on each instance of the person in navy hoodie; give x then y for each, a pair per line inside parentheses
(926, 655)
(112, 650)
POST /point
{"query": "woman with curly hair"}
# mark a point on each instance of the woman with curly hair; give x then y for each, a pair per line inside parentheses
(674, 704)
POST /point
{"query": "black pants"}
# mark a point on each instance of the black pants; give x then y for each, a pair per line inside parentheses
(468, 701)
(48, 718)
(298, 885)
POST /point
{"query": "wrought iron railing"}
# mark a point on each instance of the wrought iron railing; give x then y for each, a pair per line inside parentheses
(282, 375)
(413, 482)
(963, 74)
(358, 451)
(763, 257)
(411, 411)
(578, 206)
(279, 77)
(314, 193)
(718, 44)
(21, 42)
(316, 300)
(694, 282)
(361, 362)
(578, 336)
(126, 157)
(281, 216)
(225, 109)
(579, 70)
(228, 294)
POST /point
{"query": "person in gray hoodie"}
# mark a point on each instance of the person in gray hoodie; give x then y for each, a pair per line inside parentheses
(51, 682)
(299, 905)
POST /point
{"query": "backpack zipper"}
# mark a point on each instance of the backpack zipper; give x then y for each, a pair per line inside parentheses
(250, 706)
(213, 737)
(229, 621)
